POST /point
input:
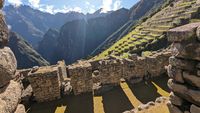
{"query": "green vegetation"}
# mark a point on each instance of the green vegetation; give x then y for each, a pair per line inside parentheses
(152, 29)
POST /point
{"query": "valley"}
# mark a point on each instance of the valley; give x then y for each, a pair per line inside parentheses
(145, 59)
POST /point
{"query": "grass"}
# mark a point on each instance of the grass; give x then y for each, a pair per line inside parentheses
(144, 33)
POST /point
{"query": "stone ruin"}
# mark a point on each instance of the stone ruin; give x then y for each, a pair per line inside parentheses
(81, 79)
(45, 83)
(184, 69)
(10, 87)
(51, 82)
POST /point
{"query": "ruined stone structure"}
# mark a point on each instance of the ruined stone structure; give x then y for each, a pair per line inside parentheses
(184, 69)
(50, 82)
(81, 77)
(45, 82)
(10, 88)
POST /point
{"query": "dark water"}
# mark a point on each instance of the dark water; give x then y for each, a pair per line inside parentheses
(114, 101)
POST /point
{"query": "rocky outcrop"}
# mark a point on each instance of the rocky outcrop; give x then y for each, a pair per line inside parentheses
(11, 94)
(8, 65)
(184, 68)
(10, 90)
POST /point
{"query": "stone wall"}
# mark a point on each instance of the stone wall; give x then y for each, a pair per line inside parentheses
(184, 69)
(45, 83)
(81, 77)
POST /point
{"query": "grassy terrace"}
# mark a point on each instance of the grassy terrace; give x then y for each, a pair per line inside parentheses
(152, 29)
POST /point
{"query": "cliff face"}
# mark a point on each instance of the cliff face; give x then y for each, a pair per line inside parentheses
(48, 44)
(26, 56)
(79, 38)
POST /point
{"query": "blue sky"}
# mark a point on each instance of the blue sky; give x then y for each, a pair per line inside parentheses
(85, 6)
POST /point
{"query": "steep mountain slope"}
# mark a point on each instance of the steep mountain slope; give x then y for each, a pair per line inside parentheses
(150, 34)
(33, 24)
(26, 56)
(143, 9)
(47, 46)
(79, 38)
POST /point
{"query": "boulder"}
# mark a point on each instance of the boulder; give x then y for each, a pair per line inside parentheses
(11, 95)
(175, 99)
(3, 31)
(8, 66)
(20, 109)
(192, 79)
(183, 91)
(173, 109)
(175, 73)
(194, 109)
(182, 64)
(2, 106)
(182, 33)
(187, 51)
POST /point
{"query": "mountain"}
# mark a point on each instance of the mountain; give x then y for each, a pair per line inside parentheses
(139, 11)
(47, 46)
(79, 38)
(151, 33)
(33, 24)
(26, 56)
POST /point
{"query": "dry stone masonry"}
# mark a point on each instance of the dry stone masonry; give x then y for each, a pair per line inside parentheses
(184, 67)
(45, 82)
(81, 77)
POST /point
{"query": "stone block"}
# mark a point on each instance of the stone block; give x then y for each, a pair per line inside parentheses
(194, 109)
(173, 108)
(45, 83)
(187, 51)
(192, 79)
(183, 91)
(182, 64)
(182, 33)
(175, 73)
(175, 99)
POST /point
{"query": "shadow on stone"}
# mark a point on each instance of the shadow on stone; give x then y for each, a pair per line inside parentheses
(146, 91)
(74, 104)
(116, 101)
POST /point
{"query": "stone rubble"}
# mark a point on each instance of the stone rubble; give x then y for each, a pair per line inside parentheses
(183, 69)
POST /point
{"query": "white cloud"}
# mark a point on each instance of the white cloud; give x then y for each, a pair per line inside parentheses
(90, 7)
(16, 3)
(34, 3)
(107, 5)
(51, 9)
(47, 8)
(117, 5)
